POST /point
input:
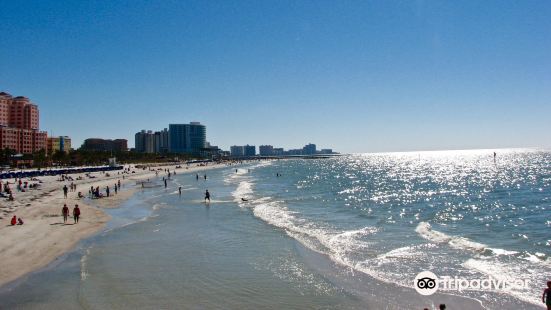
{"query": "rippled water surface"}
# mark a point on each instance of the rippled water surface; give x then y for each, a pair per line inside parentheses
(456, 213)
(349, 232)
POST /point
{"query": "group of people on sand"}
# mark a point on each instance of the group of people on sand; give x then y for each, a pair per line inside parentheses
(6, 191)
(20, 185)
(96, 193)
(65, 212)
(15, 220)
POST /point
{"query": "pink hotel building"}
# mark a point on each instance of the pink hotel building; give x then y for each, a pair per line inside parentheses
(19, 129)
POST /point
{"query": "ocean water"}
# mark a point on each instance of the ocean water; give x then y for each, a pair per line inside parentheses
(350, 232)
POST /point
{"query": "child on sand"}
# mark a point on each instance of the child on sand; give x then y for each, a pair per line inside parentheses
(13, 220)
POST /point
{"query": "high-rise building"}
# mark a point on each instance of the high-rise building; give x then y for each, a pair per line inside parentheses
(59, 144)
(139, 141)
(250, 150)
(242, 150)
(187, 138)
(309, 149)
(19, 125)
(161, 141)
(266, 150)
(145, 142)
(237, 151)
(149, 142)
(278, 151)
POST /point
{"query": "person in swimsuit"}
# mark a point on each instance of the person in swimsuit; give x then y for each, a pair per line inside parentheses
(207, 195)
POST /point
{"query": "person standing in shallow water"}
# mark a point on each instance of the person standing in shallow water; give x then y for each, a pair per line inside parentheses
(180, 190)
(207, 195)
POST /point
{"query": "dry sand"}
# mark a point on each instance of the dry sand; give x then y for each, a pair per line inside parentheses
(44, 237)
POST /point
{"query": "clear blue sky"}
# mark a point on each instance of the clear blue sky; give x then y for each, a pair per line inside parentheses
(355, 76)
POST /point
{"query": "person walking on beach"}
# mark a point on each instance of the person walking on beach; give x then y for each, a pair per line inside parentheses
(107, 190)
(76, 214)
(65, 212)
(546, 298)
(207, 195)
(116, 188)
(65, 190)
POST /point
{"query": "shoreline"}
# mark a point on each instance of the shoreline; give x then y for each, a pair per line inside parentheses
(44, 238)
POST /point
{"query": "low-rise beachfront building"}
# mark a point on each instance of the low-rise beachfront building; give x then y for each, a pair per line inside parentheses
(19, 125)
(59, 144)
(105, 145)
(294, 152)
(187, 138)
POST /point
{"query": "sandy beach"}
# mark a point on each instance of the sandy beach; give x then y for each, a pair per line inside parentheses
(44, 237)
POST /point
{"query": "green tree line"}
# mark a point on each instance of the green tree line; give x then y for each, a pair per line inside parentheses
(83, 157)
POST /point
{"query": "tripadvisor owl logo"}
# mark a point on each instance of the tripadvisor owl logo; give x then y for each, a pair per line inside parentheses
(426, 283)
